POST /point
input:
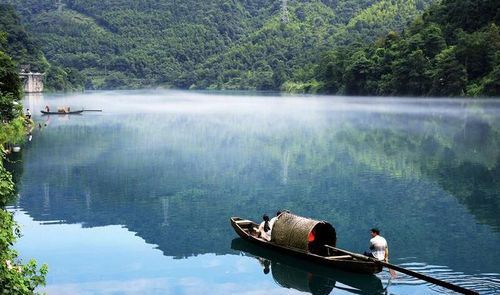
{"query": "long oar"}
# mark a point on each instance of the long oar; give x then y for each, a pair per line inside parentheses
(408, 272)
(92, 110)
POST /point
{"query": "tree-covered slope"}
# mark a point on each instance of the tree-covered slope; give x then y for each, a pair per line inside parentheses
(203, 44)
(280, 52)
(18, 44)
(453, 49)
(25, 51)
(137, 43)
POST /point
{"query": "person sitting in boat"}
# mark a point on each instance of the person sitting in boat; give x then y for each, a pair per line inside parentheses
(47, 109)
(378, 246)
(273, 220)
(264, 230)
(64, 110)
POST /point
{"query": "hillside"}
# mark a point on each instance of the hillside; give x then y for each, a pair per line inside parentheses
(18, 44)
(453, 49)
(217, 44)
(280, 52)
(24, 50)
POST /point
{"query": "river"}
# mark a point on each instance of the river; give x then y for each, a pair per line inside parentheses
(136, 199)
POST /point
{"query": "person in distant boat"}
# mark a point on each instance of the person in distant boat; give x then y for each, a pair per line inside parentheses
(264, 230)
(378, 246)
(273, 220)
(47, 109)
(63, 110)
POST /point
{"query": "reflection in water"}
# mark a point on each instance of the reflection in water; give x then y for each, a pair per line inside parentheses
(173, 166)
(305, 276)
(266, 264)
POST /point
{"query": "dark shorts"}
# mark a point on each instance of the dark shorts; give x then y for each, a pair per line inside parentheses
(369, 254)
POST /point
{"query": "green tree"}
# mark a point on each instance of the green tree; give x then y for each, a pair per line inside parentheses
(115, 80)
(358, 74)
(433, 40)
(449, 77)
(10, 89)
(9, 76)
(331, 69)
(411, 74)
(477, 52)
(491, 83)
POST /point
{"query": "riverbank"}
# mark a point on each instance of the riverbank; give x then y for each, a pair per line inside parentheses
(15, 276)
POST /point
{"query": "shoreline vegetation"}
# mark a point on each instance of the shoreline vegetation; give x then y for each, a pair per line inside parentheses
(16, 277)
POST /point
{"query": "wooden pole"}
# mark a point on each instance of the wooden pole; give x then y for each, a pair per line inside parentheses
(408, 272)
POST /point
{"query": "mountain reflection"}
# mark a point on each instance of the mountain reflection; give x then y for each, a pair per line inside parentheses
(298, 274)
(175, 177)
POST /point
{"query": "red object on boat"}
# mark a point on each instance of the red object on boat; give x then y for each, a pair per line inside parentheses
(310, 238)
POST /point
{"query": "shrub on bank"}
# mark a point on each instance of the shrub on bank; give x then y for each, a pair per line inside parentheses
(15, 277)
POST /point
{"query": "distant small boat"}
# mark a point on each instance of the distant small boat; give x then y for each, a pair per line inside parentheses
(291, 234)
(62, 113)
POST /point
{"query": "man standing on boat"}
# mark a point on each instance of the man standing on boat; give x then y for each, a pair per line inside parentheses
(378, 246)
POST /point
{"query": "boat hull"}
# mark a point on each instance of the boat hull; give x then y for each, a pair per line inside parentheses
(351, 265)
(62, 113)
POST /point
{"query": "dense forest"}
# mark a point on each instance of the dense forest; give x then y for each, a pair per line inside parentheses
(25, 51)
(218, 44)
(453, 49)
(366, 47)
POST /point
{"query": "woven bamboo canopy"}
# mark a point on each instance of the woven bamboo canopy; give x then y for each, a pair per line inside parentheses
(302, 233)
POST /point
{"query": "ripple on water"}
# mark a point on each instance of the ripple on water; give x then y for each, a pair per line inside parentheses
(484, 283)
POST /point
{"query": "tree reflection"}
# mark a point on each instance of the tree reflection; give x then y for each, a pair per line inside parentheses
(158, 173)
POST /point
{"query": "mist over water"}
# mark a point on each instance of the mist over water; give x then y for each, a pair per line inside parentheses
(137, 198)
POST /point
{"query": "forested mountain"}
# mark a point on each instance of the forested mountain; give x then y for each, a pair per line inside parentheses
(453, 49)
(280, 52)
(24, 50)
(18, 44)
(243, 44)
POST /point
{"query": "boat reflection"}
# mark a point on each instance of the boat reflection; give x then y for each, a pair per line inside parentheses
(293, 273)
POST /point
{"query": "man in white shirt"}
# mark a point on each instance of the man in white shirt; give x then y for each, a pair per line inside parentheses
(378, 246)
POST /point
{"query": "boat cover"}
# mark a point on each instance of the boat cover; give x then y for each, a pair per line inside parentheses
(302, 233)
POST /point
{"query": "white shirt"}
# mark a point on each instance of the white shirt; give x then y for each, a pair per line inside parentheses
(272, 221)
(264, 234)
(378, 246)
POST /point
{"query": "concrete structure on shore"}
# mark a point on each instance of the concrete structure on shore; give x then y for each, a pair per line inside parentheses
(33, 82)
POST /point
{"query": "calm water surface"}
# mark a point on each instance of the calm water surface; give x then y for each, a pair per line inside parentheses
(136, 199)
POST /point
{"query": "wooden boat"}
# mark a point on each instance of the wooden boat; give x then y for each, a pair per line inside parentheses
(306, 276)
(62, 113)
(304, 238)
